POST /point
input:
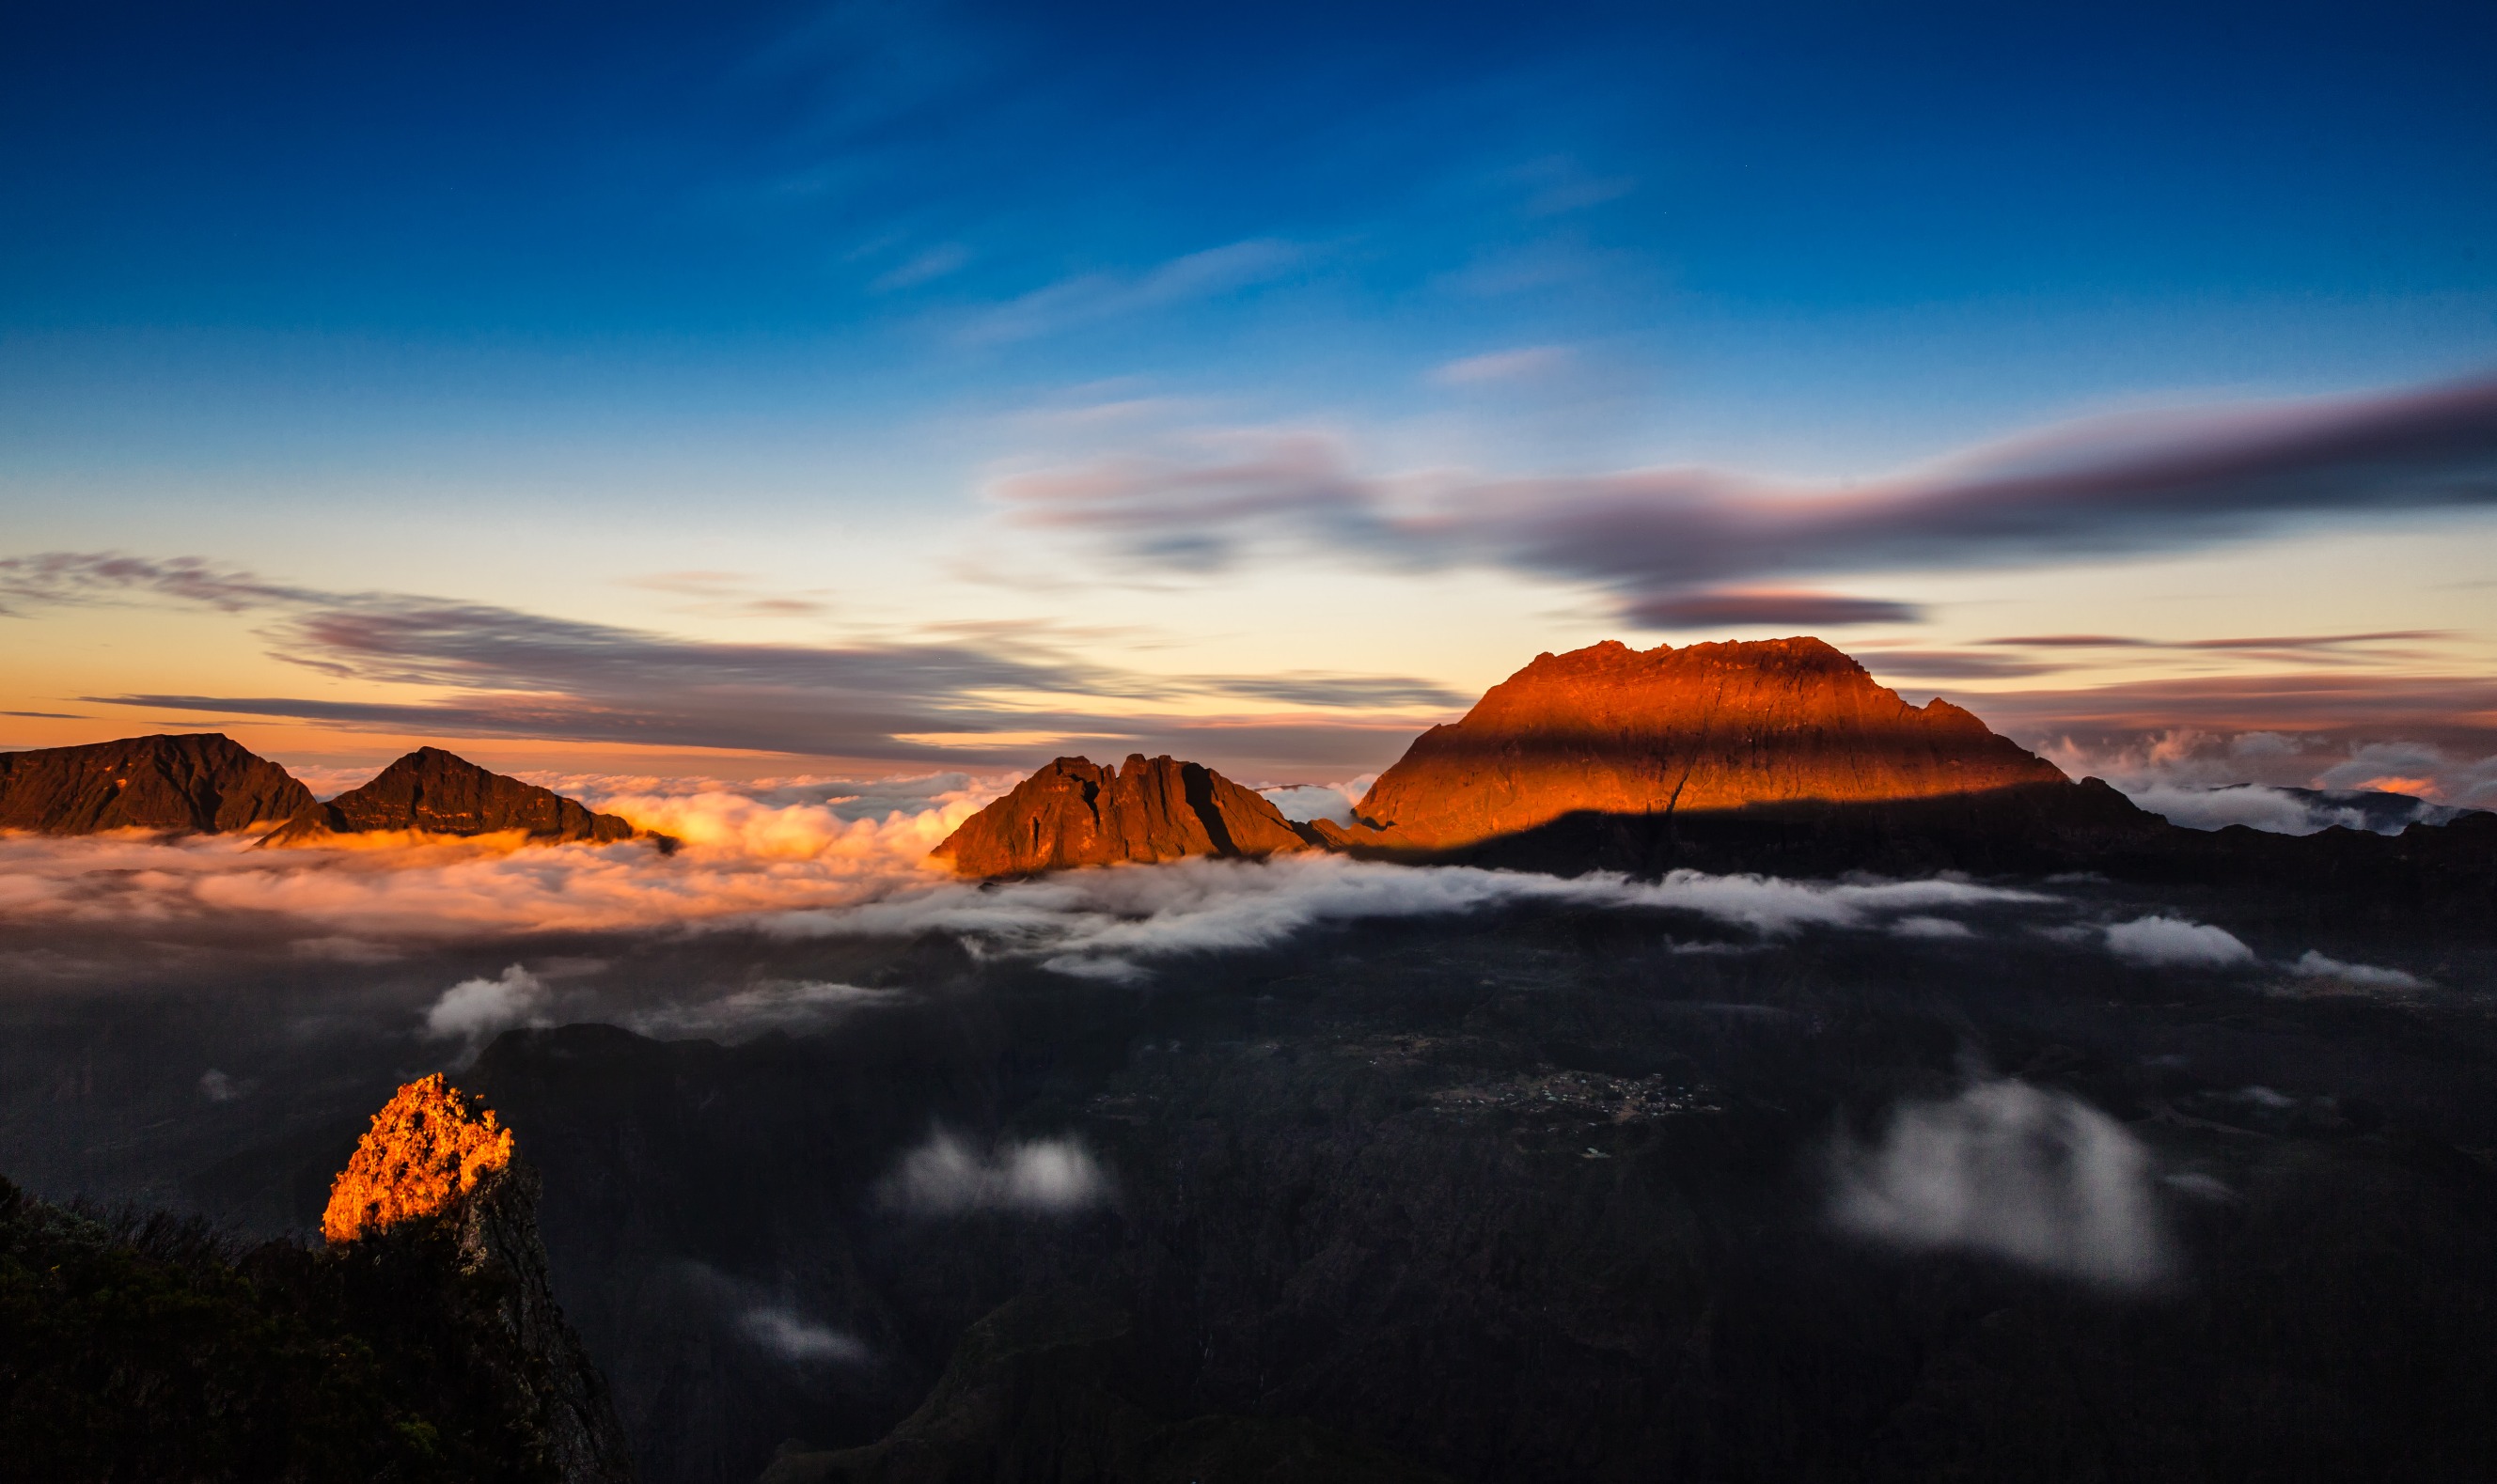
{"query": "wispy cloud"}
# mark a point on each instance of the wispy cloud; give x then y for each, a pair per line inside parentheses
(1527, 362)
(1659, 537)
(1087, 299)
(925, 266)
(1770, 608)
(732, 593)
(995, 695)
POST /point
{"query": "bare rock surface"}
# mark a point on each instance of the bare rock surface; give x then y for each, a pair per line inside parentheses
(198, 783)
(433, 792)
(1613, 730)
(1073, 812)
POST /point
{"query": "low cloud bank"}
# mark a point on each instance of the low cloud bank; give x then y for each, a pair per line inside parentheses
(946, 1176)
(2284, 783)
(745, 853)
(778, 1004)
(1098, 923)
(2011, 1171)
(819, 858)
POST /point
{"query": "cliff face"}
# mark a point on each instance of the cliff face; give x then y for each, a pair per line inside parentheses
(437, 1183)
(421, 1343)
(1073, 814)
(202, 783)
(1036, 1391)
(1708, 727)
(433, 792)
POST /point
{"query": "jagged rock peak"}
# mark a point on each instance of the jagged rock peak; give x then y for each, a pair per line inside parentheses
(436, 1168)
(196, 783)
(1709, 726)
(1075, 814)
(433, 792)
(427, 1147)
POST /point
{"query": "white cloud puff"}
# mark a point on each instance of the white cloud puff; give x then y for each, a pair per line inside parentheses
(1047, 1175)
(2011, 1171)
(477, 1010)
(2173, 942)
(1305, 802)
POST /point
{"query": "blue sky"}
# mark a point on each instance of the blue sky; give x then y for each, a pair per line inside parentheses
(787, 295)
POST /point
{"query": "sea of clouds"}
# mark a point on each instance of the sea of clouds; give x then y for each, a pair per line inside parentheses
(2285, 785)
(804, 859)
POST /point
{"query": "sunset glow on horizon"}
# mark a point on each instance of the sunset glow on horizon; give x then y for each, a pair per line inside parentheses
(860, 391)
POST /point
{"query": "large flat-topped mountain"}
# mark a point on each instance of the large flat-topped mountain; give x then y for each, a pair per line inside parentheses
(198, 783)
(1074, 814)
(1712, 726)
(433, 792)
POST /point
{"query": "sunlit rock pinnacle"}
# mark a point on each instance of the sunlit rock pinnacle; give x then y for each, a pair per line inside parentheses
(426, 1148)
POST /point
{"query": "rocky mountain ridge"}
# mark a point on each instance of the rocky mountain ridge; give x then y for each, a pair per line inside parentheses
(198, 783)
(1613, 730)
(433, 792)
(1074, 813)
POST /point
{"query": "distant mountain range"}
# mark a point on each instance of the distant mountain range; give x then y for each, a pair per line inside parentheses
(433, 792)
(1775, 755)
(209, 784)
(1778, 756)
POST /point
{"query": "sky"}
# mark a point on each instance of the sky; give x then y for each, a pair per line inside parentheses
(791, 389)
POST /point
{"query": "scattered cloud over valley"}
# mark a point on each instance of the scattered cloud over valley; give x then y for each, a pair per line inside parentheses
(947, 1176)
(2007, 1170)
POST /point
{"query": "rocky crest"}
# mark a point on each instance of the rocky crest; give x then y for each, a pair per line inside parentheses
(204, 783)
(435, 1169)
(425, 1150)
(433, 792)
(1074, 814)
(1709, 727)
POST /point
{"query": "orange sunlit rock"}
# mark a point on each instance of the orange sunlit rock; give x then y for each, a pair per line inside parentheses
(1613, 730)
(1074, 814)
(427, 1147)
